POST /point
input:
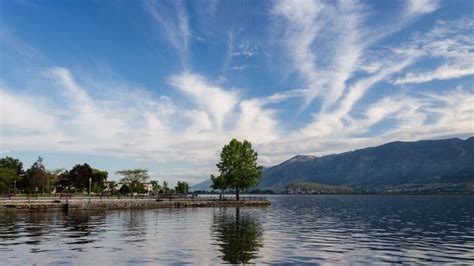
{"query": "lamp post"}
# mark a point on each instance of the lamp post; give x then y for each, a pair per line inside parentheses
(90, 185)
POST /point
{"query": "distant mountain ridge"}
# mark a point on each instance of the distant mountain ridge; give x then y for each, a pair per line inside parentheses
(391, 165)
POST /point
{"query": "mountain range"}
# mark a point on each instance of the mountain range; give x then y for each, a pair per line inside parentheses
(395, 166)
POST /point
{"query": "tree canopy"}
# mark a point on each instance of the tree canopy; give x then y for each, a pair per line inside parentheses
(78, 178)
(12, 163)
(37, 177)
(134, 175)
(11, 170)
(165, 187)
(7, 177)
(182, 187)
(134, 178)
(219, 183)
(238, 166)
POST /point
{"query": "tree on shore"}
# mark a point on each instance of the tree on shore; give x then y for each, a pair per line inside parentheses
(166, 189)
(37, 176)
(134, 178)
(99, 178)
(78, 179)
(79, 176)
(11, 171)
(219, 183)
(7, 177)
(124, 189)
(182, 187)
(156, 186)
(238, 165)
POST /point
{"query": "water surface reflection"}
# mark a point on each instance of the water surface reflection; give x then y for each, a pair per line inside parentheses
(239, 236)
(295, 229)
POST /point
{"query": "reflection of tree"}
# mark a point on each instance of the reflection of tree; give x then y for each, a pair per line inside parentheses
(134, 223)
(239, 237)
(83, 224)
(9, 228)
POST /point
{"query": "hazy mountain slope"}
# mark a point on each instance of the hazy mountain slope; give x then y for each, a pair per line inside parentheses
(450, 160)
(205, 185)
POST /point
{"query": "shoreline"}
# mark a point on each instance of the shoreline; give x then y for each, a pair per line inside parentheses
(115, 204)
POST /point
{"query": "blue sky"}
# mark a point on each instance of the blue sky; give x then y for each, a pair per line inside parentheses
(163, 85)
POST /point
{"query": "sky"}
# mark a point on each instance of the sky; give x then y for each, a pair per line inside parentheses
(163, 85)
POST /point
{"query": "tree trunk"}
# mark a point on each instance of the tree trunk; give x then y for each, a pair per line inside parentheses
(237, 196)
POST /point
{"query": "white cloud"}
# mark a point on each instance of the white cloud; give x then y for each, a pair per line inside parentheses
(441, 73)
(256, 123)
(218, 102)
(174, 22)
(247, 49)
(23, 113)
(300, 30)
(450, 42)
(416, 7)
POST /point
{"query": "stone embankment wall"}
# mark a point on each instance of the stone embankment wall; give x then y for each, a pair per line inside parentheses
(112, 204)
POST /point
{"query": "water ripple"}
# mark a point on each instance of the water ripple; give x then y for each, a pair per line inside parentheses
(295, 229)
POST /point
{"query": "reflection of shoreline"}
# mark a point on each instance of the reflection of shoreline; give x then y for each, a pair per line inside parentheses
(239, 236)
(78, 226)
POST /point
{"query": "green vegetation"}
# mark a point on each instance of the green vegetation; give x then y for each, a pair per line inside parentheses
(7, 177)
(238, 167)
(182, 187)
(125, 189)
(134, 176)
(77, 179)
(219, 183)
(38, 179)
(166, 189)
(134, 179)
(11, 171)
(316, 188)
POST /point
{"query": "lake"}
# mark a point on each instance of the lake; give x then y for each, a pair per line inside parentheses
(295, 229)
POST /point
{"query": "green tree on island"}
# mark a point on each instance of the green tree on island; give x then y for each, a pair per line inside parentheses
(238, 165)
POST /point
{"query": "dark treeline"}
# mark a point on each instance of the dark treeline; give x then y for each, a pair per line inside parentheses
(37, 179)
(14, 179)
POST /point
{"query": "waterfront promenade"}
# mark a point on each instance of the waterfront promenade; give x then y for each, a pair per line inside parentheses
(96, 203)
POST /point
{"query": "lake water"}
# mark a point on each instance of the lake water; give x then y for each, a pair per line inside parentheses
(295, 229)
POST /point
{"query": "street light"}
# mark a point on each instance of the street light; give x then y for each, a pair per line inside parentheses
(90, 181)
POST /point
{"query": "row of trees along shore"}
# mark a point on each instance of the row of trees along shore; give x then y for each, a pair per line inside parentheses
(238, 168)
(37, 179)
(238, 171)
